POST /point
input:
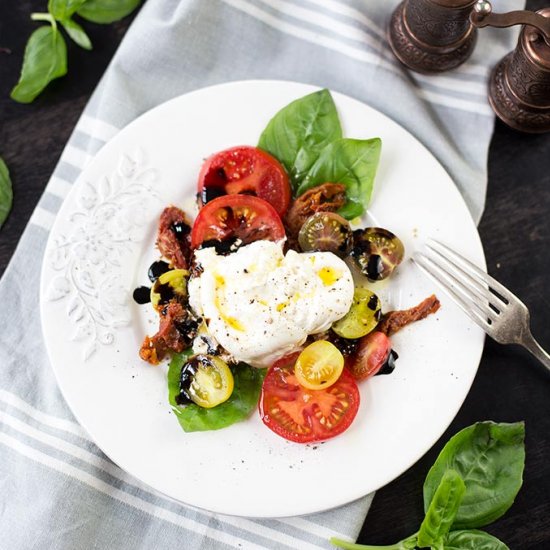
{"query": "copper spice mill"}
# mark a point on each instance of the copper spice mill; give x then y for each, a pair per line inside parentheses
(519, 88)
(431, 36)
(436, 35)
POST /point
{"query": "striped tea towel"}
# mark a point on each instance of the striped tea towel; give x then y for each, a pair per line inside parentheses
(59, 491)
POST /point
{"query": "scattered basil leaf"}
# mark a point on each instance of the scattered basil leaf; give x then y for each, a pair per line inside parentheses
(64, 9)
(77, 33)
(243, 400)
(407, 544)
(298, 133)
(473, 482)
(442, 510)
(352, 162)
(6, 192)
(45, 60)
(107, 11)
(490, 459)
(473, 540)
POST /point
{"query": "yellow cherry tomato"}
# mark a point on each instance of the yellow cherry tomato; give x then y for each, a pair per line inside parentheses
(319, 365)
(211, 381)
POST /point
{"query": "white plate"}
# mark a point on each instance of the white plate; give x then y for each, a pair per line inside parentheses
(99, 250)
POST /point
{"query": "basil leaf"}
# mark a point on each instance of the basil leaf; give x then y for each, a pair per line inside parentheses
(45, 60)
(442, 510)
(298, 133)
(243, 400)
(63, 9)
(77, 33)
(107, 11)
(6, 192)
(352, 162)
(490, 459)
(473, 540)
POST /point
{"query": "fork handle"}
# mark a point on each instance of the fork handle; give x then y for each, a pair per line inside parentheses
(536, 349)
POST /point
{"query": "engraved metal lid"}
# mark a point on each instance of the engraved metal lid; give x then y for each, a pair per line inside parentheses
(537, 43)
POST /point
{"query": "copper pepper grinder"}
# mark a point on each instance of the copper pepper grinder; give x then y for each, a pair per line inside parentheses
(431, 36)
(519, 88)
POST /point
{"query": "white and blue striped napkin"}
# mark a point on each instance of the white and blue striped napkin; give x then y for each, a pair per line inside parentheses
(59, 491)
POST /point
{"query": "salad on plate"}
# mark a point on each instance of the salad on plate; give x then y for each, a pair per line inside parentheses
(265, 299)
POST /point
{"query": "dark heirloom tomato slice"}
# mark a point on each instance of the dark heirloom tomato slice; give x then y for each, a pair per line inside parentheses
(245, 170)
(243, 217)
(303, 415)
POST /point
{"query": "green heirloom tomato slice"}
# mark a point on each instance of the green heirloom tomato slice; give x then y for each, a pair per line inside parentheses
(362, 317)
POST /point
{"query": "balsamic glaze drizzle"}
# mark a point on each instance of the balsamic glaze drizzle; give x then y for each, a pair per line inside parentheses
(188, 372)
(181, 230)
(225, 247)
(373, 303)
(142, 295)
(211, 192)
(156, 269)
(375, 267)
(389, 366)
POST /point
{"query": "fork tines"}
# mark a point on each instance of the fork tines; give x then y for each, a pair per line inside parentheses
(476, 292)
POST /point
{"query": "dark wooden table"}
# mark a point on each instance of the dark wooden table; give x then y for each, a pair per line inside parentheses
(515, 231)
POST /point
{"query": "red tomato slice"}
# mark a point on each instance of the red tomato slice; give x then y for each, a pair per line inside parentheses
(371, 354)
(242, 216)
(245, 170)
(303, 415)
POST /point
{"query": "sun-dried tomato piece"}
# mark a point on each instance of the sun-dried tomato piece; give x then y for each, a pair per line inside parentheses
(174, 237)
(176, 332)
(393, 321)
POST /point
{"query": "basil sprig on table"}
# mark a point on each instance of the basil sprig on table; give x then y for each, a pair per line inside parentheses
(306, 137)
(107, 11)
(45, 60)
(442, 510)
(45, 56)
(473, 482)
(243, 400)
(6, 192)
(490, 458)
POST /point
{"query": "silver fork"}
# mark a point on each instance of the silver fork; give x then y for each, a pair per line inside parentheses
(503, 316)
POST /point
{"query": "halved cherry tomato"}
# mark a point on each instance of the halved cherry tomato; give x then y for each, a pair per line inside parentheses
(245, 170)
(319, 365)
(171, 284)
(303, 415)
(362, 317)
(206, 380)
(377, 252)
(326, 232)
(372, 352)
(244, 217)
